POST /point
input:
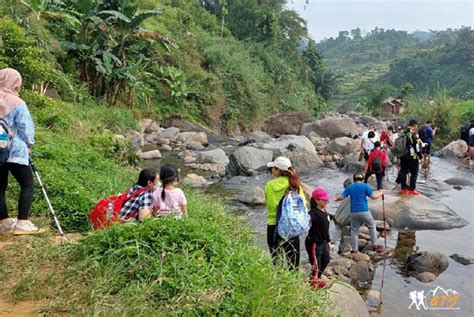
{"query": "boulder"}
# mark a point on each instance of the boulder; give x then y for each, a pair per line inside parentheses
(149, 155)
(425, 277)
(407, 213)
(253, 196)
(285, 123)
(361, 274)
(299, 149)
(331, 128)
(195, 181)
(169, 133)
(352, 164)
(454, 149)
(427, 261)
(360, 257)
(344, 263)
(216, 156)
(194, 145)
(371, 122)
(257, 137)
(344, 145)
(186, 137)
(136, 138)
(248, 160)
(347, 301)
(463, 259)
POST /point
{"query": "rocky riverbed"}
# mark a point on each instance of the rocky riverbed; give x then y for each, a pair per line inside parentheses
(325, 153)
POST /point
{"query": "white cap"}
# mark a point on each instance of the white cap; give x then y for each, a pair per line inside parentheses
(281, 162)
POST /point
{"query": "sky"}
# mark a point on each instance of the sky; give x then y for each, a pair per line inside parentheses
(326, 18)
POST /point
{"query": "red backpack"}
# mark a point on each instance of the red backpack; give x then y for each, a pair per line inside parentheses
(98, 215)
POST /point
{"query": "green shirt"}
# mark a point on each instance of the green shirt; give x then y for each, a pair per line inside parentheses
(274, 192)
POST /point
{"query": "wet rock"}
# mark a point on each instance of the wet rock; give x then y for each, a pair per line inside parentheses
(361, 274)
(407, 212)
(460, 181)
(195, 181)
(457, 187)
(463, 259)
(149, 155)
(253, 196)
(169, 133)
(347, 301)
(373, 298)
(454, 149)
(165, 148)
(331, 128)
(285, 123)
(186, 137)
(216, 156)
(194, 145)
(344, 145)
(425, 277)
(427, 261)
(248, 160)
(257, 137)
(360, 257)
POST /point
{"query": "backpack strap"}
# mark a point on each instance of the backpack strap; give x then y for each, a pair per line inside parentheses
(128, 197)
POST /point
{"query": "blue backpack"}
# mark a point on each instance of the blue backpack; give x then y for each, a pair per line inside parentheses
(5, 141)
(292, 216)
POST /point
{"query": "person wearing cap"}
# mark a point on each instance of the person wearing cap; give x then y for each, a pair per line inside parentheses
(318, 242)
(410, 162)
(360, 213)
(285, 179)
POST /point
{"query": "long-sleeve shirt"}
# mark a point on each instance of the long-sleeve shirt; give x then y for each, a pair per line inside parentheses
(319, 230)
(22, 126)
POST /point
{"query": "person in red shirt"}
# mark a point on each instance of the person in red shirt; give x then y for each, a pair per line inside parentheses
(386, 138)
(376, 164)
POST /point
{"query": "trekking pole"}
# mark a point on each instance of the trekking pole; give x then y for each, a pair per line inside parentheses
(35, 171)
(384, 221)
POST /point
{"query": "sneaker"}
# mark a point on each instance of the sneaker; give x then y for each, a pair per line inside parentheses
(377, 247)
(317, 284)
(404, 192)
(8, 229)
(28, 228)
(413, 192)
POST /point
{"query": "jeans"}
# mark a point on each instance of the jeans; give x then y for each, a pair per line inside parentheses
(278, 246)
(357, 219)
(24, 176)
(321, 255)
(408, 164)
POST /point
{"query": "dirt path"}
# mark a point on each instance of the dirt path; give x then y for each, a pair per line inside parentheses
(20, 309)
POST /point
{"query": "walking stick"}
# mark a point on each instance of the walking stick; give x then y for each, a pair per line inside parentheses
(384, 221)
(35, 171)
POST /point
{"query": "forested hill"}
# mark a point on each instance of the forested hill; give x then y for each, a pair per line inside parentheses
(429, 61)
(226, 64)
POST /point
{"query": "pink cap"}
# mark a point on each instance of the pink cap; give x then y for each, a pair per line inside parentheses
(320, 194)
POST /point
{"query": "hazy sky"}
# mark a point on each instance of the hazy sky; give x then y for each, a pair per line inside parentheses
(327, 17)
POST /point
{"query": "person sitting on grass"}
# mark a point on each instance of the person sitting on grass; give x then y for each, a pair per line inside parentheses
(360, 213)
(169, 200)
(140, 206)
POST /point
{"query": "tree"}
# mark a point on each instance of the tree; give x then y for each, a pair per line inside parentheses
(356, 34)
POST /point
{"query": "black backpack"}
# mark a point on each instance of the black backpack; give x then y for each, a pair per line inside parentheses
(465, 131)
(377, 166)
(423, 134)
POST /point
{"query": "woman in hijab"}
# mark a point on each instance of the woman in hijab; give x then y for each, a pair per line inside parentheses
(15, 112)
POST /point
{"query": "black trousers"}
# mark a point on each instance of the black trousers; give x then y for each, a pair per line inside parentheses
(322, 256)
(24, 176)
(290, 248)
(408, 165)
(379, 177)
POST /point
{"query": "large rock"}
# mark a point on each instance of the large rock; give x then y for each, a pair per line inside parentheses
(361, 274)
(352, 164)
(344, 145)
(253, 196)
(427, 261)
(216, 156)
(149, 155)
(257, 137)
(285, 123)
(331, 128)
(195, 181)
(136, 138)
(347, 301)
(185, 137)
(454, 149)
(371, 122)
(299, 149)
(248, 160)
(169, 133)
(407, 213)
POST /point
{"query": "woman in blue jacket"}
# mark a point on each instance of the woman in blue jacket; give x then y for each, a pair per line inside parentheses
(15, 112)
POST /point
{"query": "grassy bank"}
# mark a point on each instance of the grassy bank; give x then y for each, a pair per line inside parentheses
(205, 265)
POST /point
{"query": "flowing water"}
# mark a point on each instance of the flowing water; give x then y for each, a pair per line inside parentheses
(395, 287)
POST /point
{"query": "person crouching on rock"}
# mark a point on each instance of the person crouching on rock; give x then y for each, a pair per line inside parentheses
(169, 200)
(140, 205)
(318, 243)
(285, 179)
(376, 164)
(360, 213)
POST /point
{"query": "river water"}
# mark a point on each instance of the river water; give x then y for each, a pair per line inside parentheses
(395, 287)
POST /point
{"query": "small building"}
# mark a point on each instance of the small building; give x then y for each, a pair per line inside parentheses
(392, 107)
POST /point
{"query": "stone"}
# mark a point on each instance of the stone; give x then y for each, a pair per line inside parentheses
(331, 128)
(169, 133)
(362, 243)
(193, 145)
(162, 141)
(347, 301)
(253, 196)
(143, 124)
(340, 270)
(374, 298)
(407, 213)
(463, 259)
(257, 137)
(352, 164)
(379, 225)
(361, 274)
(341, 262)
(344, 145)
(195, 181)
(454, 149)
(136, 138)
(153, 127)
(148, 147)
(371, 122)
(460, 181)
(365, 236)
(165, 148)
(217, 169)
(152, 138)
(425, 277)
(427, 261)
(248, 160)
(149, 155)
(216, 156)
(189, 159)
(360, 257)
(285, 123)
(186, 137)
